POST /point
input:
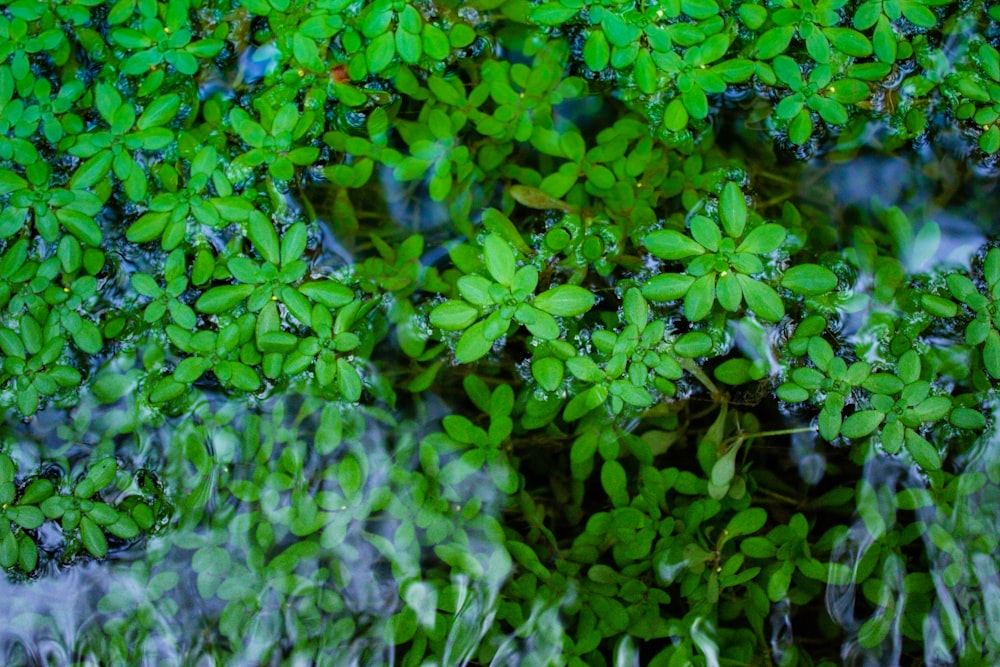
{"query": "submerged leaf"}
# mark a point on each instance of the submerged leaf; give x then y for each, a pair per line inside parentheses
(565, 301)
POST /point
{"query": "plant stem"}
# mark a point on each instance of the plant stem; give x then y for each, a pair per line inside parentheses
(695, 370)
(778, 496)
(786, 431)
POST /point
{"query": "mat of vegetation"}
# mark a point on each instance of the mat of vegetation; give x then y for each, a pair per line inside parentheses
(525, 332)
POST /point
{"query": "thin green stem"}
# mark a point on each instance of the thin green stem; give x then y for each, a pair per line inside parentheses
(777, 496)
(695, 370)
(786, 431)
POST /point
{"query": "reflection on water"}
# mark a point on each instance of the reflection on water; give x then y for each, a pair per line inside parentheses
(945, 596)
(304, 532)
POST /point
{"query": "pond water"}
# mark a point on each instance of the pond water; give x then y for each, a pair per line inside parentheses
(295, 531)
(383, 504)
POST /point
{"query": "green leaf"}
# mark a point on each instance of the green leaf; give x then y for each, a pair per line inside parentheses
(800, 128)
(461, 35)
(746, 522)
(909, 366)
(454, 315)
(159, 112)
(646, 76)
(883, 383)
(81, 226)
(763, 240)
(93, 538)
(8, 469)
(293, 243)
(111, 387)
(675, 117)
(777, 585)
(246, 270)
(809, 279)
(699, 9)
(667, 286)
(733, 210)
(736, 372)
(328, 293)
(8, 549)
(223, 298)
(693, 344)
(261, 233)
(539, 323)
(380, 52)
(700, 298)
(408, 46)
(758, 547)
(670, 244)
(88, 338)
(624, 391)
(892, 437)
(473, 344)
(849, 42)
(938, 306)
(584, 402)
(923, 452)
(706, 232)
(146, 285)
(615, 483)
(761, 299)
(36, 492)
(792, 393)
(635, 309)
(27, 554)
(238, 375)
(499, 259)
(918, 14)
(552, 13)
(873, 631)
(102, 514)
(565, 301)
(728, 291)
(102, 473)
(752, 16)
(476, 290)
(696, 102)
(124, 527)
(596, 52)
(585, 368)
(548, 372)
(724, 469)
(774, 42)
(26, 516)
(437, 46)
(167, 389)
(989, 141)
(348, 380)
(862, 423)
(190, 369)
(933, 408)
(967, 418)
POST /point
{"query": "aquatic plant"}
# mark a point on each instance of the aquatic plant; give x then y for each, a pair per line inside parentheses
(432, 332)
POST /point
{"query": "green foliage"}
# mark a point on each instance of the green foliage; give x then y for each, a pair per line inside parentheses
(87, 521)
(252, 250)
(723, 266)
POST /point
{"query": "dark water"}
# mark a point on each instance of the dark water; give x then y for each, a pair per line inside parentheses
(297, 532)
